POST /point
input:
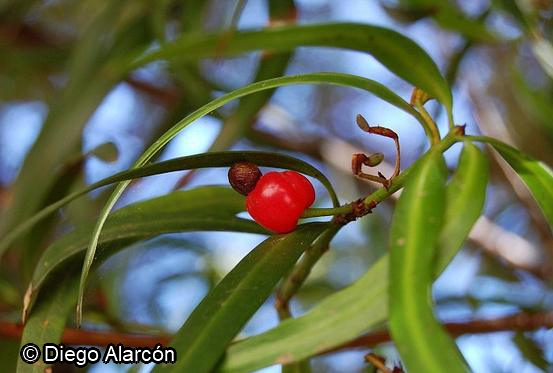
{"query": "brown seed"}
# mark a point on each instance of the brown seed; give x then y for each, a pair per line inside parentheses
(243, 177)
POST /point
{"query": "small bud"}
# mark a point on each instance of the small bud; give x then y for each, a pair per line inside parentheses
(243, 177)
(374, 159)
(419, 96)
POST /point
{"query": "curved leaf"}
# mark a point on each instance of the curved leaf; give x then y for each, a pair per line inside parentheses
(337, 319)
(112, 32)
(329, 78)
(398, 53)
(203, 209)
(465, 197)
(202, 340)
(423, 343)
(204, 160)
(537, 176)
(46, 323)
(348, 313)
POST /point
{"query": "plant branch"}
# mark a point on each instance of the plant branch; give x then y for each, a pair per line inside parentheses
(373, 199)
(343, 215)
(432, 127)
(297, 277)
(521, 322)
(73, 336)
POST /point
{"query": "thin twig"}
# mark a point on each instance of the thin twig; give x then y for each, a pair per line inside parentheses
(521, 322)
(378, 362)
(297, 277)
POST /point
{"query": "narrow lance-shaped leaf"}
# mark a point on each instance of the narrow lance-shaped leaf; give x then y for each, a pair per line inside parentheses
(48, 320)
(204, 160)
(348, 313)
(202, 340)
(423, 343)
(206, 208)
(537, 176)
(329, 78)
(465, 194)
(398, 53)
(209, 208)
(88, 82)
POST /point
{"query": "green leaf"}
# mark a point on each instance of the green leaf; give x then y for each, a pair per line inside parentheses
(204, 160)
(398, 53)
(465, 194)
(46, 323)
(446, 15)
(203, 338)
(209, 208)
(89, 81)
(423, 343)
(9, 354)
(329, 78)
(106, 152)
(303, 366)
(531, 351)
(450, 18)
(337, 319)
(537, 176)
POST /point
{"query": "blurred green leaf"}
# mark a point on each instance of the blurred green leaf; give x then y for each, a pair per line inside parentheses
(329, 78)
(47, 322)
(536, 102)
(423, 343)
(447, 15)
(531, 351)
(300, 367)
(337, 319)
(88, 82)
(106, 152)
(9, 354)
(203, 160)
(202, 340)
(537, 176)
(466, 194)
(398, 53)
(209, 208)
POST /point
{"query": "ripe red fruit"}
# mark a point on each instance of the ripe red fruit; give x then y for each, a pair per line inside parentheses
(279, 199)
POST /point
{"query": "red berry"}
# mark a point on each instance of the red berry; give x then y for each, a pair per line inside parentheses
(279, 199)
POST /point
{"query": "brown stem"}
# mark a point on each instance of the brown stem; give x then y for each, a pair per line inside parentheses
(291, 284)
(381, 131)
(378, 362)
(523, 321)
(83, 337)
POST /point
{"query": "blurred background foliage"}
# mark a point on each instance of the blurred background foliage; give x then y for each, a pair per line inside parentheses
(67, 120)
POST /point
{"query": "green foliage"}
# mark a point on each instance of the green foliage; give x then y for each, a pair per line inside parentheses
(465, 196)
(363, 305)
(416, 226)
(329, 78)
(222, 314)
(198, 161)
(537, 176)
(392, 49)
(207, 208)
(72, 62)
